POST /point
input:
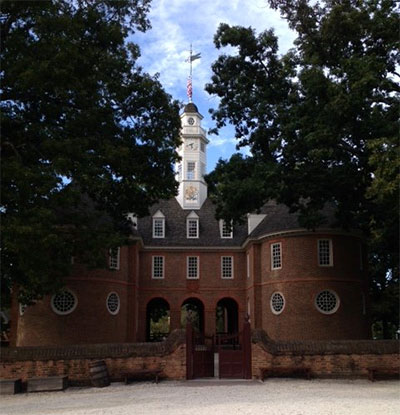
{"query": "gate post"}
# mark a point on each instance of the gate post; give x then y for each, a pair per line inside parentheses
(189, 351)
(247, 348)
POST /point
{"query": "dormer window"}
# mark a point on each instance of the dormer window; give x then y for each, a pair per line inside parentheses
(226, 230)
(192, 225)
(158, 225)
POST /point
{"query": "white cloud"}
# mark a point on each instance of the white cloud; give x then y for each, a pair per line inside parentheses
(176, 24)
(219, 141)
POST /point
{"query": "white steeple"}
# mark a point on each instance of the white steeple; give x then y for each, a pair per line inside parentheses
(192, 168)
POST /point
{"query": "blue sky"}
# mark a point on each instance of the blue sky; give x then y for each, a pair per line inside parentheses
(175, 25)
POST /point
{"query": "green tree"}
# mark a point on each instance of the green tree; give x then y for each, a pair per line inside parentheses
(87, 136)
(321, 121)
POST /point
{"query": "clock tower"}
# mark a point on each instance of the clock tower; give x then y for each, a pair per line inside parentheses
(192, 167)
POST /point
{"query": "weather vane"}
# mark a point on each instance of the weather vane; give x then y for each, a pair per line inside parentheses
(190, 59)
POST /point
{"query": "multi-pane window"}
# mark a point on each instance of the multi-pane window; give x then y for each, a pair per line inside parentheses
(192, 267)
(226, 229)
(64, 302)
(277, 303)
(276, 256)
(227, 266)
(325, 252)
(114, 258)
(112, 303)
(158, 227)
(192, 228)
(158, 267)
(327, 302)
(191, 170)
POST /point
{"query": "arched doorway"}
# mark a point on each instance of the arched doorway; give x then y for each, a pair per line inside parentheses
(226, 315)
(196, 308)
(157, 320)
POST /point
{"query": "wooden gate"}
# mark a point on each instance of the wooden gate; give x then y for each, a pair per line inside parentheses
(235, 354)
(199, 354)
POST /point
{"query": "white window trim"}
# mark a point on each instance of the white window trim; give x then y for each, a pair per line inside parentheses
(197, 228)
(194, 171)
(271, 306)
(154, 228)
(119, 303)
(152, 267)
(64, 313)
(187, 267)
(337, 302)
(272, 255)
(330, 253)
(116, 267)
(221, 228)
(222, 267)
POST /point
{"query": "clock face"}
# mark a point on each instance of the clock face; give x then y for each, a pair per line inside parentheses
(192, 145)
(191, 121)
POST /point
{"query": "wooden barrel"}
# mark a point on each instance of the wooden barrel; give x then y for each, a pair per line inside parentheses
(99, 374)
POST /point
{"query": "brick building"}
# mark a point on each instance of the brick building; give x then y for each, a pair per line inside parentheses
(296, 284)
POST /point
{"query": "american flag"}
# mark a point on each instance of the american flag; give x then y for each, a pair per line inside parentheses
(189, 88)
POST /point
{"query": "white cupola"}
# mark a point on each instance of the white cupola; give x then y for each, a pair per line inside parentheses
(192, 167)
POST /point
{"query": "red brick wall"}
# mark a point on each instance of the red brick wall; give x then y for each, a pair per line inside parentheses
(326, 359)
(324, 365)
(73, 361)
(90, 322)
(77, 370)
(175, 288)
(301, 278)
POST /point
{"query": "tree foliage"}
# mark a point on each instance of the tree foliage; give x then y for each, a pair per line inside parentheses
(321, 121)
(87, 136)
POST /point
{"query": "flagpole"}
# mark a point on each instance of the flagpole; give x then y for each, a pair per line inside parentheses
(190, 59)
(189, 83)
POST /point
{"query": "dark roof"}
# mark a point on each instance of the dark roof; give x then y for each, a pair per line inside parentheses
(175, 227)
(278, 219)
(190, 108)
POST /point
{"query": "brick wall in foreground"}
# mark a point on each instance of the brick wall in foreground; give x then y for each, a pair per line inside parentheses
(341, 358)
(73, 361)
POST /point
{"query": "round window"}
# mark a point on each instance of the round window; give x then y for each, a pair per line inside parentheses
(64, 302)
(113, 303)
(277, 303)
(327, 302)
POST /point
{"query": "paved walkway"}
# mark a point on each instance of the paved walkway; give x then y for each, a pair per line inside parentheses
(273, 397)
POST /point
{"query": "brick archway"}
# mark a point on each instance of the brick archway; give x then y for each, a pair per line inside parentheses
(157, 319)
(194, 306)
(227, 316)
